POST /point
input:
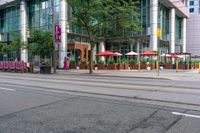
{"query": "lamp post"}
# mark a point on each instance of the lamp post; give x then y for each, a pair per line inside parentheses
(53, 28)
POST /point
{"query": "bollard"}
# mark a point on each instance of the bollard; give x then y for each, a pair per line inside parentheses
(176, 66)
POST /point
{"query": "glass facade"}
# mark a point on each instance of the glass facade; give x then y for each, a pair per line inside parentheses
(145, 16)
(178, 31)
(40, 13)
(9, 22)
(163, 21)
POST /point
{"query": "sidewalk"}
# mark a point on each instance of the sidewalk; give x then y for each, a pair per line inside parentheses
(183, 75)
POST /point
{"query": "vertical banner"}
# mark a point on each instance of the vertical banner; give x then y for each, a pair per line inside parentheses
(57, 33)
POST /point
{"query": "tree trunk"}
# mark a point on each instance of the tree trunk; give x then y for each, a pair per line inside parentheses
(91, 58)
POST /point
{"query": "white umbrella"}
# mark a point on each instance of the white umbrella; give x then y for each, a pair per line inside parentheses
(118, 54)
(131, 53)
(165, 55)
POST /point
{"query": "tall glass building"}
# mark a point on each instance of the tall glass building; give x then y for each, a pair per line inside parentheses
(193, 28)
(167, 15)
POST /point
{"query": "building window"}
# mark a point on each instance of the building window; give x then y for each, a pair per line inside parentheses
(191, 10)
(191, 3)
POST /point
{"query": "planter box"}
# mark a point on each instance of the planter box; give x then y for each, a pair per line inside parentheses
(126, 66)
(182, 66)
(168, 66)
(112, 67)
(143, 66)
(133, 66)
(72, 66)
(120, 66)
(83, 66)
(101, 66)
(44, 69)
(153, 66)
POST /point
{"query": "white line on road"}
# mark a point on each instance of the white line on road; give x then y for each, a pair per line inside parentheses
(186, 115)
(7, 89)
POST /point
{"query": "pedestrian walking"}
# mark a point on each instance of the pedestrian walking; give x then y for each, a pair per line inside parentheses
(65, 63)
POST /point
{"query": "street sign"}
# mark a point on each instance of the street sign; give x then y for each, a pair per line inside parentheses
(159, 32)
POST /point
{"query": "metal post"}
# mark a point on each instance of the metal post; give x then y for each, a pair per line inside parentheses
(176, 65)
(199, 67)
(53, 28)
(158, 53)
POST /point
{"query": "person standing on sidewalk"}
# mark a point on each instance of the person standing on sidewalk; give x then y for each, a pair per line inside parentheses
(65, 63)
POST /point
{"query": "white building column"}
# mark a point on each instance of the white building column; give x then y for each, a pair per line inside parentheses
(184, 34)
(172, 30)
(102, 49)
(154, 24)
(23, 28)
(63, 24)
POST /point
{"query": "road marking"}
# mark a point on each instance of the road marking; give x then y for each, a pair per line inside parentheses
(7, 89)
(186, 115)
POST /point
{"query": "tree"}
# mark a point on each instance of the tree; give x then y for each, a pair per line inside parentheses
(41, 43)
(102, 19)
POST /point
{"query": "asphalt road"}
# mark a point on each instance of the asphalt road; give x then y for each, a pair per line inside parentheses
(41, 104)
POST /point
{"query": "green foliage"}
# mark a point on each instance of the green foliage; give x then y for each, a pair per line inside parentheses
(83, 62)
(16, 43)
(143, 62)
(6, 48)
(102, 19)
(181, 62)
(111, 61)
(101, 62)
(169, 62)
(132, 62)
(72, 62)
(45, 63)
(41, 43)
(124, 61)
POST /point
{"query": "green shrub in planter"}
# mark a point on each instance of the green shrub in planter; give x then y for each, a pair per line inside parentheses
(125, 61)
(132, 62)
(111, 61)
(72, 62)
(101, 62)
(143, 62)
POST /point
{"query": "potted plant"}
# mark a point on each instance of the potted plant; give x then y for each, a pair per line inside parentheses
(72, 64)
(45, 67)
(101, 65)
(133, 64)
(125, 64)
(83, 65)
(169, 65)
(111, 65)
(120, 65)
(153, 65)
(181, 65)
(143, 65)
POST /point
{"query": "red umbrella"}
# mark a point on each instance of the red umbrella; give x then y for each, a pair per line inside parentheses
(148, 53)
(106, 53)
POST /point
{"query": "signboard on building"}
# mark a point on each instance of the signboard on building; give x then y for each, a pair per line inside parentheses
(57, 33)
